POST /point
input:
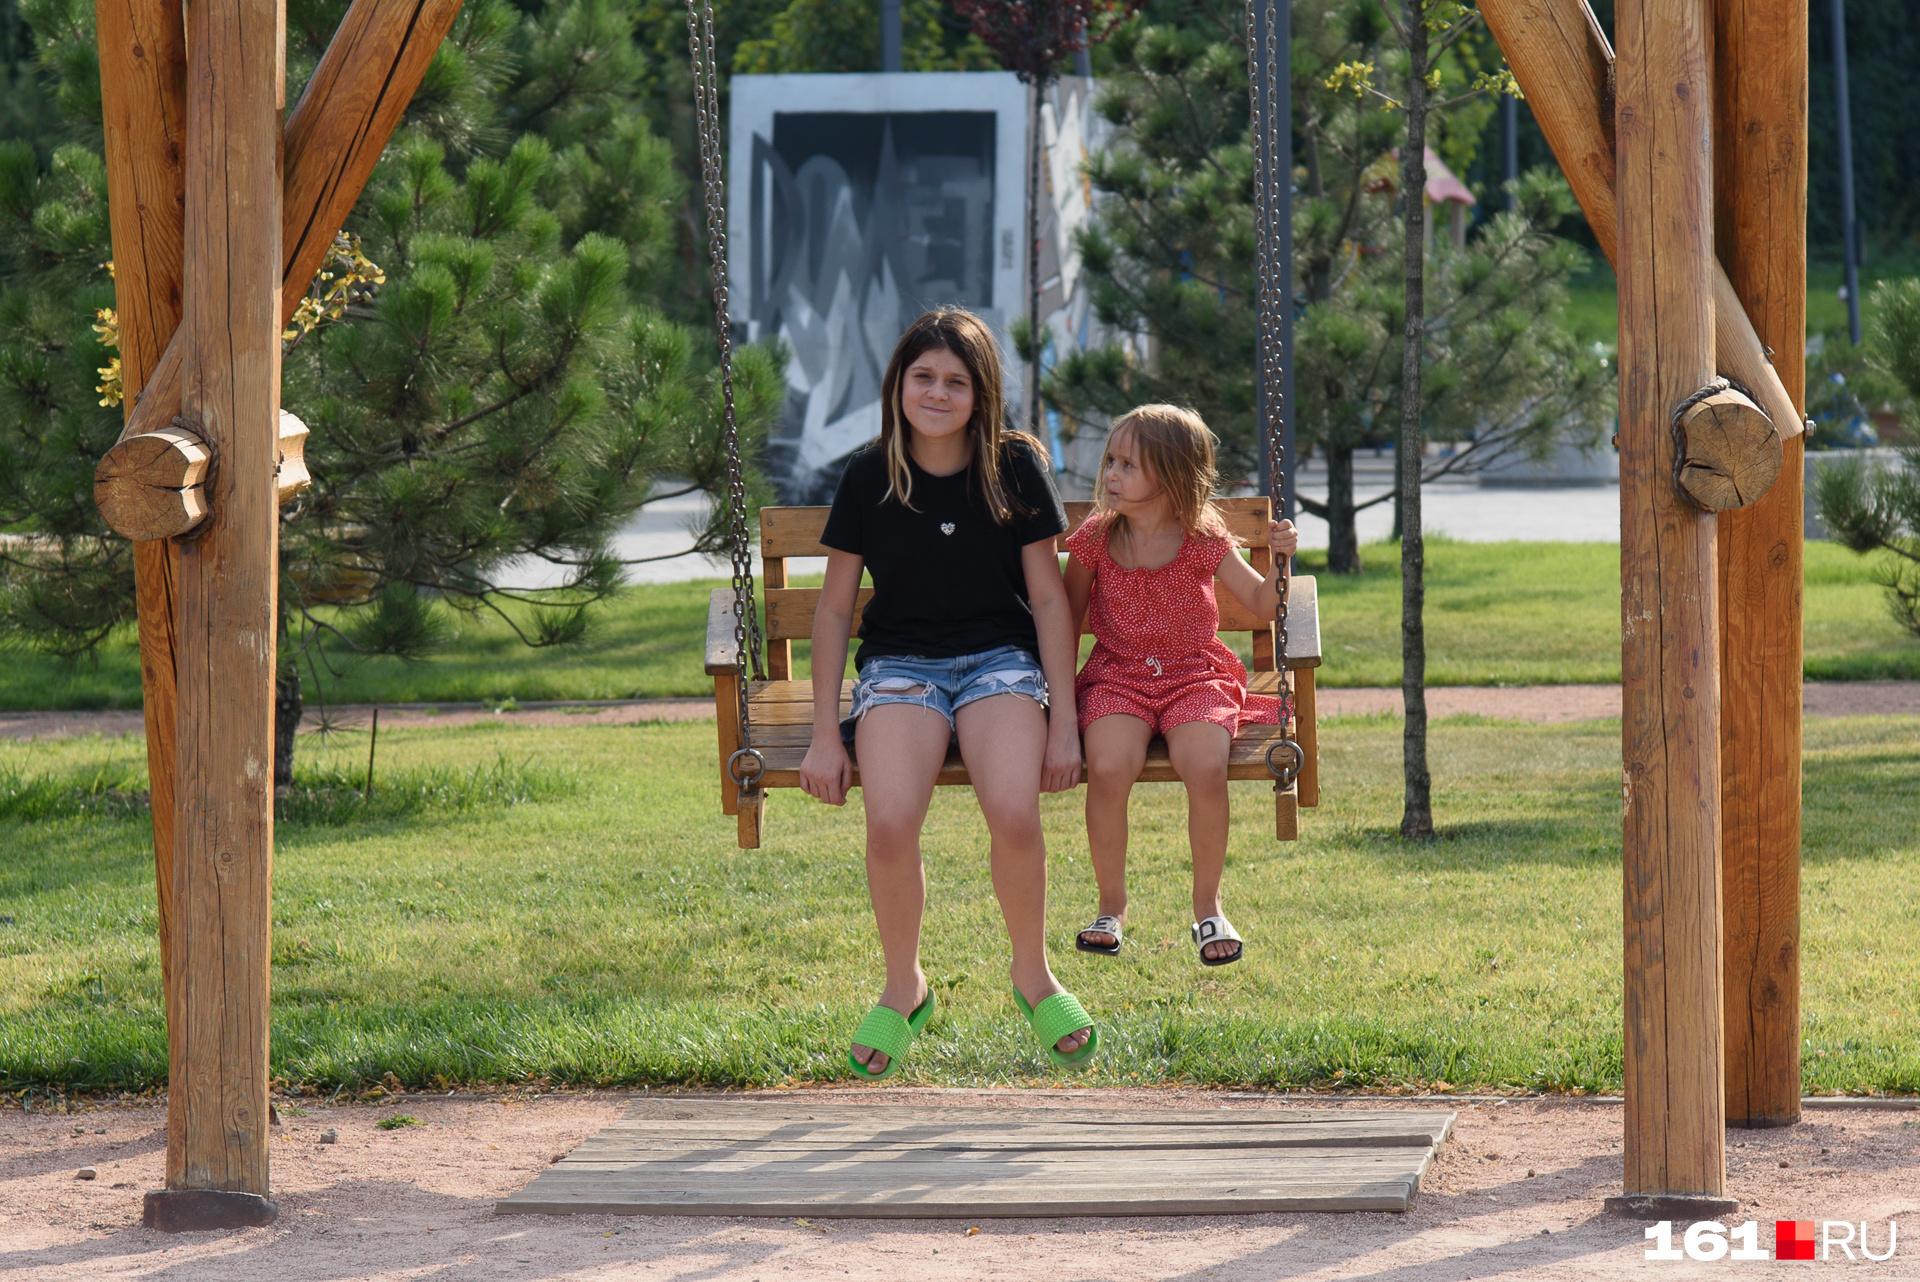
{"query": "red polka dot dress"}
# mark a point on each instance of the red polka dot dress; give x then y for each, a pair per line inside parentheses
(1156, 653)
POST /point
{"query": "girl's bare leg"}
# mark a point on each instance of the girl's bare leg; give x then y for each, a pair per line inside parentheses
(900, 747)
(1003, 739)
(1198, 750)
(1116, 748)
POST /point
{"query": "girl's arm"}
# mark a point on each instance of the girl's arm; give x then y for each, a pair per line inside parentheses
(1079, 593)
(827, 772)
(1261, 595)
(1059, 646)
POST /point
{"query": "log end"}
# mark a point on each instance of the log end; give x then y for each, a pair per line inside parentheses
(291, 476)
(152, 486)
(1729, 452)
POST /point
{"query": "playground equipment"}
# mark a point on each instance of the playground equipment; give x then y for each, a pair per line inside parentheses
(764, 735)
(1697, 145)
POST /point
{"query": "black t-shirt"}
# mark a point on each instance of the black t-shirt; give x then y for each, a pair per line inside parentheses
(947, 581)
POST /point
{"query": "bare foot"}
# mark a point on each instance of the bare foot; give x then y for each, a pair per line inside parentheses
(1039, 992)
(876, 1061)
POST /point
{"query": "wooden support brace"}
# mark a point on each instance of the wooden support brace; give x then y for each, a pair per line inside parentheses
(334, 138)
(753, 809)
(1286, 812)
(1306, 733)
(1565, 67)
(152, 485)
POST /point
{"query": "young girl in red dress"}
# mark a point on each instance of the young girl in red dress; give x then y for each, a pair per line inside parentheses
(1141, 577)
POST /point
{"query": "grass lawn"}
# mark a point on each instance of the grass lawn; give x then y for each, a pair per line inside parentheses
(1497, 614)
(566, 904)
(1593, 300)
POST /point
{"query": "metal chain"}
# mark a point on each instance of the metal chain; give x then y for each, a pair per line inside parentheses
(1270, 297)
(746, 618)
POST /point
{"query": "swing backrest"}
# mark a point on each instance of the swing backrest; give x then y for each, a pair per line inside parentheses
(787, 532)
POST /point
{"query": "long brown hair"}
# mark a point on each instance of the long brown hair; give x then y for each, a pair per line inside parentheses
(1176, 447)
(959, 331)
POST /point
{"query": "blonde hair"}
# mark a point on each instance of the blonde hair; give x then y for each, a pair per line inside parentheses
(959, 331)
(1176, 447)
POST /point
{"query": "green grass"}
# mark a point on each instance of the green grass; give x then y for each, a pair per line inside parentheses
(1497, 614)
(1593, 300)
(592, 923)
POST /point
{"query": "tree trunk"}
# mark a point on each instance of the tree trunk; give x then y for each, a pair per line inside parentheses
(287, 707)
(1343, 538)
(1416, 820)
(1036, 97)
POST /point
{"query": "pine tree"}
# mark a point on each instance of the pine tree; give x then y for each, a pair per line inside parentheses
(1170, 256)
(483, 376)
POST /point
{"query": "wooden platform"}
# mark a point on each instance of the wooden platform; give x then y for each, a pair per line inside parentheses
(880, 1160)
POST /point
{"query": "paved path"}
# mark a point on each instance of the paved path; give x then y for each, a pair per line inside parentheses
(1508, 703)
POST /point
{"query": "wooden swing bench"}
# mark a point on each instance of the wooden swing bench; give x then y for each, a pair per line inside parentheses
(780, 709)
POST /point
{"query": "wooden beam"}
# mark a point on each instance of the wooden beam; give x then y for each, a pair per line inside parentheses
(142, 47)
(334, 138)
(1729, 453)
(223, 866)
(1675, 1134)
(1760, 226)
(1566, 69)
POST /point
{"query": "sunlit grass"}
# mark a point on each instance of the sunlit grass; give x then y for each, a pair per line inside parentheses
(567, 904)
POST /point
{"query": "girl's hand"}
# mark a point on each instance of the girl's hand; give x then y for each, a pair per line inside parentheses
(827, 771)
(1060, 772)
(1283, 539)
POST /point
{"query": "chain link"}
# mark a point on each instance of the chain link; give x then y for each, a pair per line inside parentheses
(746, 617)
(1263, 81)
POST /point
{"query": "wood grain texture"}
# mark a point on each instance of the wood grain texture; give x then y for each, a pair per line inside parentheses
(142, 50)
(149, 486)
(230, 387)
(1565, 67)
(1729, 452)
(759, 1157)
(1760, 228)
(334, 137)
(1307, 735)
(1675, 1135)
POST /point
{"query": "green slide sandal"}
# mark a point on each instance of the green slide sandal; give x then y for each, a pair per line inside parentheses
(1054, 1018)
(887, 1032)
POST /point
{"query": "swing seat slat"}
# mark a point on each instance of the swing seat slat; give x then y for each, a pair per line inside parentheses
(780, 709)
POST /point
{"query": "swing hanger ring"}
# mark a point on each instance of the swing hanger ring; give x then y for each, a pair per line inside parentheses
(746, 779)
(1285, 775)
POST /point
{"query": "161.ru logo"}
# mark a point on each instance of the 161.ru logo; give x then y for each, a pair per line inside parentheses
(1792, 1240)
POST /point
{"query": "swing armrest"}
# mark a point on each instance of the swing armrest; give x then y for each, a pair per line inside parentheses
(1303, 623)
(721, 652)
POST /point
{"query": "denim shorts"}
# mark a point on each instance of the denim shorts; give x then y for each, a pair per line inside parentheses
(945, 685)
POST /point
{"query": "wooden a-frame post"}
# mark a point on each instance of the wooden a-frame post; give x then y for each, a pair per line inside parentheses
(1760, 232)
(209, 265)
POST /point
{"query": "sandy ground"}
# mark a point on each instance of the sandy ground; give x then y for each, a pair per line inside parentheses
(1514, 703)
(1516, 1193)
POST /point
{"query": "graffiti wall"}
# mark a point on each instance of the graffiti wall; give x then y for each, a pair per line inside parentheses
(857, 202)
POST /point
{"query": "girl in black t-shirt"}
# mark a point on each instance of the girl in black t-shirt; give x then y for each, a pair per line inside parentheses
(967, 636)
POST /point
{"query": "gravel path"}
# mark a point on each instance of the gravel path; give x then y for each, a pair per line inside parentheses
(1516, 1193)
(1507, 703)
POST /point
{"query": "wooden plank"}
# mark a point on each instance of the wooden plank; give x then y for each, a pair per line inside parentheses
(1286, 813)
(1306, 733)
(1561, 58)
(142, 51)
(1303, 622)
(723, 650)
(776, 1157)
(334, 137)
(779, 649)
(726, 719)
(1675, 1130)
(1760, 226)
(230, 387)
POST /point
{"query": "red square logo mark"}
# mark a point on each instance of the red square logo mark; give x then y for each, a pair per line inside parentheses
(1793, 1239)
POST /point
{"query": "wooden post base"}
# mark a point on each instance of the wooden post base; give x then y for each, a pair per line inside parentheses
(197, 1210)
(1671, 1206)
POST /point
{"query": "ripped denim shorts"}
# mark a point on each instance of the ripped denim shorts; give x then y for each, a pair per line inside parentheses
(945, 685)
